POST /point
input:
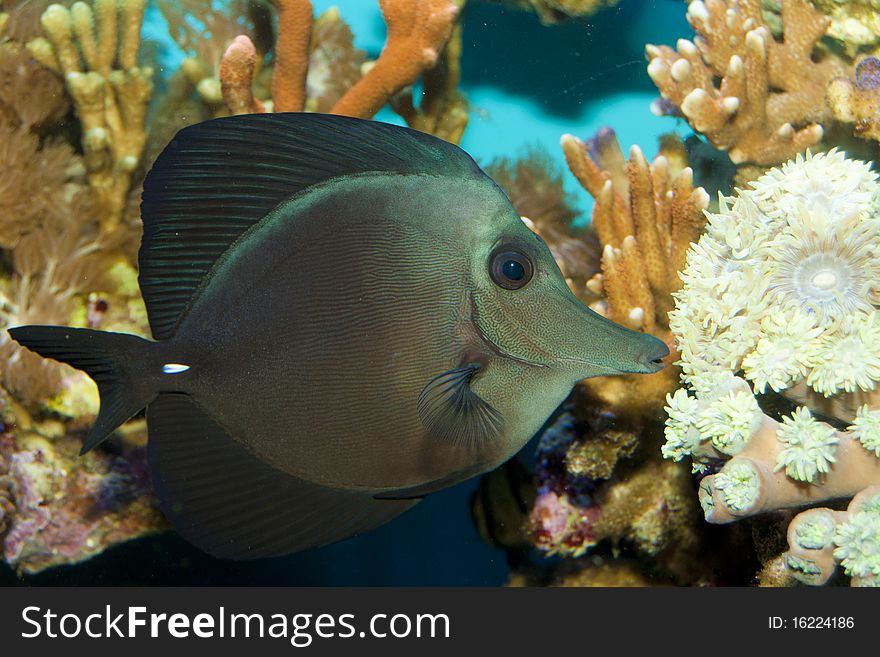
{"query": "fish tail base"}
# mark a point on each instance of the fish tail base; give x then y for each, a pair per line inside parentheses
(112, 360)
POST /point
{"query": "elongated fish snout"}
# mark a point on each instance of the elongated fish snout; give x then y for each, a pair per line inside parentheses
(604, 347)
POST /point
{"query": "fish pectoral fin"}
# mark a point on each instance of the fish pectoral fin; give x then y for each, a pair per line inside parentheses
(451, 411)
(231, 504)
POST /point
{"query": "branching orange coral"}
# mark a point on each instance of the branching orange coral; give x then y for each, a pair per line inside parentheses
(417, 31)
(760, 98)
(646, 216)
(291, 55)
(236, 77)
(204, 29)
(443, 110)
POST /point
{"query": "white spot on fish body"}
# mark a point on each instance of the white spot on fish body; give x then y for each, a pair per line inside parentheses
(174, 368)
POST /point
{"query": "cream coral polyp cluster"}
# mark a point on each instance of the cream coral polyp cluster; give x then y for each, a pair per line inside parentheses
(782, 293)
(784, 285)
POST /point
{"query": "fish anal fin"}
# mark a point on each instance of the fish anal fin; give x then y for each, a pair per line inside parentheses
(451, 411)
(231, 504)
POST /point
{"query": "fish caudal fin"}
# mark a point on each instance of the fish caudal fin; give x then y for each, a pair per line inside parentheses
(108, 358)
(231, 504)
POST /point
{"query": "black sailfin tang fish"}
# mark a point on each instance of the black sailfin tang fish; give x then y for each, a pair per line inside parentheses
(347, 316)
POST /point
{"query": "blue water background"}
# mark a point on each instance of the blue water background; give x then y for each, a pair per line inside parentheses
(527, 84)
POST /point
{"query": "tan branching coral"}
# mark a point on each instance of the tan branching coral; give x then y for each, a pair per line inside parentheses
(760, 98)
(51, 219)
(646, 216)
(96, 47)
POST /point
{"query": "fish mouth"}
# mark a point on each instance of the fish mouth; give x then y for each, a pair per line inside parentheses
(653, 360)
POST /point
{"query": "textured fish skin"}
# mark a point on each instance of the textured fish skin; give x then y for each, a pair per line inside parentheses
(347, 316)
(310, 341)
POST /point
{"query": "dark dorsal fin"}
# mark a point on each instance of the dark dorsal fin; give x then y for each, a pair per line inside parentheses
(218, 178)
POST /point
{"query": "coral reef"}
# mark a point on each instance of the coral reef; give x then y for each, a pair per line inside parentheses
(552, 12)
(48, 220)
(855, 24)
(423, 40)
(60, 508)
(600, 483)
(857, 100)
(96, 50)
(646, 215)
(734, 81)
(443, 111)
(782, 289)
(65, 256)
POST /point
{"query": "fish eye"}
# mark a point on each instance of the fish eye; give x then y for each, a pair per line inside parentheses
(510, 268)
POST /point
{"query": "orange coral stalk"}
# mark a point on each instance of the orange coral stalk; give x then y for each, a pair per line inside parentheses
(291, 55)
(237, 75)
(605, 181)
(853, 470)
(646, 215)
(417, 31)
(643, 202)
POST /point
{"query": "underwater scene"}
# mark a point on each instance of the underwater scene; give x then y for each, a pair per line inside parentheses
(578, 293)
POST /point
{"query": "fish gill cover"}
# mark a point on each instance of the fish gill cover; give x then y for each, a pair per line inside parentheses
(764, 296)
